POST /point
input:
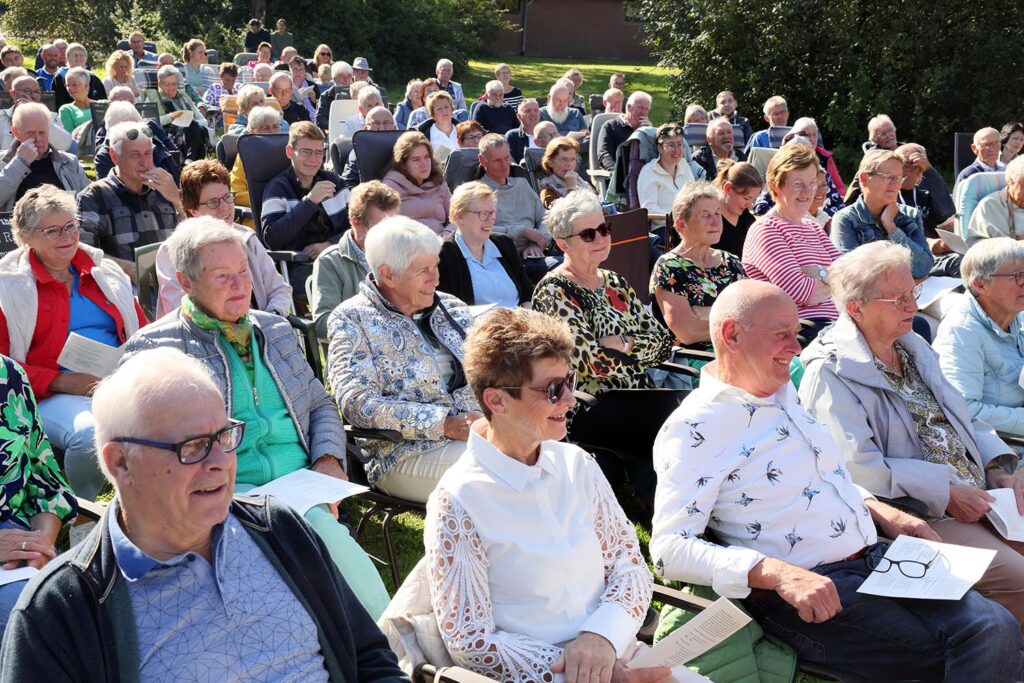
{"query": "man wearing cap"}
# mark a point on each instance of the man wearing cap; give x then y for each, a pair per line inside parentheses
(256, 35)
(361, 70)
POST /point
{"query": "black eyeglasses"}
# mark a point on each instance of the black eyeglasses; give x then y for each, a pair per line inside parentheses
(1018, 278)
(912, 569)
(590, 234)
(555, 389)
(195, 449)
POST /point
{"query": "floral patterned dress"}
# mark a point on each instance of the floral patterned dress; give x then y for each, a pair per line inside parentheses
(699, 286)
(593, 314)
(31, 480)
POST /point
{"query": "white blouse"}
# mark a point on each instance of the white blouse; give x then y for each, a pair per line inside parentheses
(524, 559)
(437, 138)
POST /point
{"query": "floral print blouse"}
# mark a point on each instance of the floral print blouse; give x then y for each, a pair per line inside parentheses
(593, 314)
(31, 480)
(699, 286)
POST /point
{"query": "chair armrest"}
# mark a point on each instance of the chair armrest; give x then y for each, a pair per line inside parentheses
(907, 504)
(303, 325)
(375, 434)
(242, 213)
(586, 399)
(290, 256)
(598, 173)
(448, 674)
(677, 598)
(652, 217)
(89, 511)
(1014, 440)
(680, 368)
(693, 354)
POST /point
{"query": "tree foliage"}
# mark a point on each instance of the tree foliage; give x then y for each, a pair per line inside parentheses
(935, 68)
(401, 38)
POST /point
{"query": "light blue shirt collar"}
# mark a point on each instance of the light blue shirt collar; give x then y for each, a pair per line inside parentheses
(491, 253)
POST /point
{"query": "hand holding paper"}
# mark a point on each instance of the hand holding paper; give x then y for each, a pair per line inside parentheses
(695, 637)
(81, 354)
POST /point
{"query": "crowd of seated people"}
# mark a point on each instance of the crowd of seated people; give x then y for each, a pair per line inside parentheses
(401, 268)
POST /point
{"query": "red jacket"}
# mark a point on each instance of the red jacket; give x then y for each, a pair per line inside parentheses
(832, 170)
(54, 315)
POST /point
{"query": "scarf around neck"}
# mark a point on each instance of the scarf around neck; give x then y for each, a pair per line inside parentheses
(238, 334)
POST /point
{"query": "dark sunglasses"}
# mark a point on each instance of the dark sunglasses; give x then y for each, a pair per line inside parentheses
(133, 133)
(555, 389)
(590, 234)
(669, 132)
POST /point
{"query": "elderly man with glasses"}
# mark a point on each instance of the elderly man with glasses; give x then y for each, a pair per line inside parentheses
(180, 577)
(615, 132)
(26, 89)
(135, 205)
(986, 146)
(796, 537)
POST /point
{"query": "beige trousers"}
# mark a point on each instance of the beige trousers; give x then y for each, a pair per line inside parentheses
(415, 477)
(1004, 580)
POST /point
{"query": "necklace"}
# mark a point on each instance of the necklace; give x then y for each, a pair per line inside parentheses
(573, 275)
(893, 362)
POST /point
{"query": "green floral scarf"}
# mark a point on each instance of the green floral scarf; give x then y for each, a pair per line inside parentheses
(238, 334)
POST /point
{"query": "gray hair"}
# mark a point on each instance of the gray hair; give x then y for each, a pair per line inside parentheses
(79, 74)
(568, 209)
(637, 96)
(695, 110)
(772, 102)
(121, 93)
(119, 112)
(188, 239)
(1015, 171)
(119, 133)
(368, 98)
(495, 86)
(166, 71)
(155, 379)
(986, 257)
(262, 116)
(396, 241)
(491, 141)
(803, 121)
(247, 96)
(339, 68)
(76, 47)
(27, 108)
(11, 73)
(279, 75)
(877, 121)
(525, 101)
(854, 276)
(29, 210)
(686, 199)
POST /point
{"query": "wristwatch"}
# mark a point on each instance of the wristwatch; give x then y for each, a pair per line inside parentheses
(822, 273)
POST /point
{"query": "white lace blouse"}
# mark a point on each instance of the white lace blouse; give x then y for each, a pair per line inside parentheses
(524, 559)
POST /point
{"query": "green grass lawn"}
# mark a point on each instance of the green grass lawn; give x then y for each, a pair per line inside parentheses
(534, 77)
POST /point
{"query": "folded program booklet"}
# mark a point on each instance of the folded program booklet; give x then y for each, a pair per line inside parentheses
(1004, 515)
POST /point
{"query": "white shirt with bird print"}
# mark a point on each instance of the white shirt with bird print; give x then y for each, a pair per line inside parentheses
(762, 475)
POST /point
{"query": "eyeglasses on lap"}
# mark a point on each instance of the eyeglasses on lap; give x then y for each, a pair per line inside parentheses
(555, 389)
(912, 569)
(590, 234)
(195, 449)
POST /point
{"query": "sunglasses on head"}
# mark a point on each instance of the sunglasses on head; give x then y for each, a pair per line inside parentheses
(669, 132)
(133, 133)
(555, 389)
(590, 234)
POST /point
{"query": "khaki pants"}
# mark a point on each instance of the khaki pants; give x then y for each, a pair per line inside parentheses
(415, 477)
(1004, 580)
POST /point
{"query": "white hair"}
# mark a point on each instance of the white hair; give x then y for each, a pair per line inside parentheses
(855, 275)
(368, 98)
(565, 211)
(119, 133)
(1015, 171)
(877, 121)
(79, 74)
(250, 96)
(444, 61)
(278, 76)
(772, 102)
(119, 112)
(121, 93)
(637, 96)
(339, 68)
(189, 238)
(494, 86)
(803, 121)
(262, 116)
(156, 380)
(166, 71)
(27, 108)
(396, 241)
(986, 257)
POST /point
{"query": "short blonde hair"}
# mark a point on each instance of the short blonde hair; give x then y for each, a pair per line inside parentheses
(467, 193)
(432, 99)
(250, 96)
(788, 159)
(874, 159)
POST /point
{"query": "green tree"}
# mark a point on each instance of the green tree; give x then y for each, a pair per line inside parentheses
(935, 68)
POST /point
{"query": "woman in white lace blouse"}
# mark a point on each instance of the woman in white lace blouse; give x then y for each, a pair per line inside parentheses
(535, 571)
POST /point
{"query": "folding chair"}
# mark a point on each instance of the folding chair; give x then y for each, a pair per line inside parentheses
(760, 157)
(340, 111)
(243, 58)
(739, 137)
(473, 107)
(49, 100)
(340, 150)
(7, 243)
(532, 158)
(776, 134)
(695, 134)
(597, 104)
(598, 175)
(145, 267)
(970, 192)
(213, 57)
(6, 101)
(98, 110)
(631, 251)
(962, 154)
(461, 166)
(146, 79)
(373, 152)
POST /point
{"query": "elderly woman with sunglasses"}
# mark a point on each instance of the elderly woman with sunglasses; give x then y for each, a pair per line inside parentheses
(50, 287)
(981, 341)
(205, 192)
(617, 339)
(662, 178)
(498, 571)
(903, 428)
(255, 360)
(879, 214)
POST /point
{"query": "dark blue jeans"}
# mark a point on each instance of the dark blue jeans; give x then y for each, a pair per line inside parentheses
(885, 639)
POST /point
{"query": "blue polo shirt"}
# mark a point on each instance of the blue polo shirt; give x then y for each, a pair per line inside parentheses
(234, 619)
(491, 283)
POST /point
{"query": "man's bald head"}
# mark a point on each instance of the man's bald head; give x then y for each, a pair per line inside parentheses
(740, 303)
(986, 146)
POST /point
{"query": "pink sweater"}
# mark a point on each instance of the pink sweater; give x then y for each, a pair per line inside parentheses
(776, 250)
(427, 203)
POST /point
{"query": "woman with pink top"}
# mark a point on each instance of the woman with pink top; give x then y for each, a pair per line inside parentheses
(785, 247)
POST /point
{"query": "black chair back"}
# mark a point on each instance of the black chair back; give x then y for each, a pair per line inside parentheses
(227, 150)
(373, 152)
(630, 256)
(962, 154)
(7, 243)
(213, 57)
(6, 101)
(531, 161)
(263, 158)
(461, 166)
(340, 150)
(597, 104)
(49, 99)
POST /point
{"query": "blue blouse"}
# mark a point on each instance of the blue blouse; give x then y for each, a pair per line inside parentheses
(491, 283)
(89, 320)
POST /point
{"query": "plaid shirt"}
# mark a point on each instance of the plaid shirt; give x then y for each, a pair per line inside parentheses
(117, 220)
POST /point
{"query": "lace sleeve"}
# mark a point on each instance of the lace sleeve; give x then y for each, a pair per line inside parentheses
(462, 603)
(628, 581)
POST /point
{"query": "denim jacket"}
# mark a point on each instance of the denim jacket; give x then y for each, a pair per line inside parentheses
(384, 374)
(984, 362)
(854, 226)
